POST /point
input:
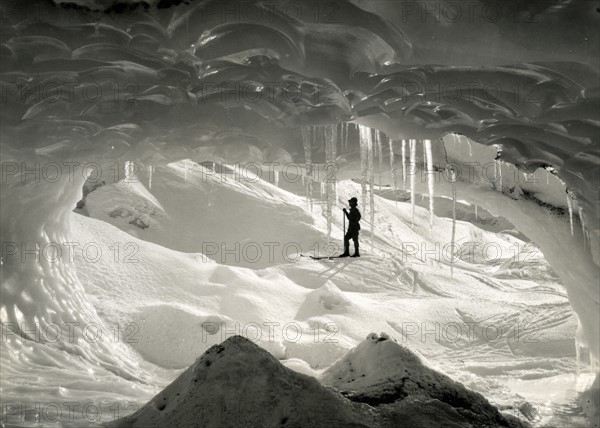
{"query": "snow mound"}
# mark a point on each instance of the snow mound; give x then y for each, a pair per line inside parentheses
(326, 299)
(236, 384)
(381, 372)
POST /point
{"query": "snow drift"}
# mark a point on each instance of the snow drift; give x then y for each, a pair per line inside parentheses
(238, 384)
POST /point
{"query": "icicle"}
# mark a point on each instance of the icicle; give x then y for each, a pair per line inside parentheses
(453, 236)
(150, 177)
(185, 169)
(346, 130)
(307, 138)
(468, 142)
(393, 171)
(128, 170)
(580, 213)
(364, 138)
(498, 175)
(330, 136)
(430, 180)
(276, 177)
(380, 155)
(403, 164)
(476, 216)
(570, 206)
(413, 153)
(371, 189)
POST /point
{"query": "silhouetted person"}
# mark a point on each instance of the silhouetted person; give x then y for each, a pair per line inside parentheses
(353, 217)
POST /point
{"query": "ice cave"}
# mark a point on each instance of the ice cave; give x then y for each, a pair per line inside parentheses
(186, 185)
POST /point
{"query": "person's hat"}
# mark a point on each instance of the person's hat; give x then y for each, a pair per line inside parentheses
(353, 200)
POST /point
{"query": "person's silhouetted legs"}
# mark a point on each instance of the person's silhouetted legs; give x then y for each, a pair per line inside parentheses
(355, 239)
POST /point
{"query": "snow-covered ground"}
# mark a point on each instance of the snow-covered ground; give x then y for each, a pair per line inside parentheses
(200, 257)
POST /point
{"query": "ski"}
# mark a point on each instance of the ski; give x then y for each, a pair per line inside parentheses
(321, 257)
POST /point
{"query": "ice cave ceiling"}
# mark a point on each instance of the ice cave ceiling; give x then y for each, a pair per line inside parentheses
(131, 79)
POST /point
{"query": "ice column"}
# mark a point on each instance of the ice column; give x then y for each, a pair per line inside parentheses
(150, 177)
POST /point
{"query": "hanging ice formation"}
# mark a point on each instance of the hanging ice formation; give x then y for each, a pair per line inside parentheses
(403, 164)
(150, 177)
(430, 179)
(330, 136)
(453, 236)
(570, 206)
(276, 178)
(413, 152)
(346, 135)
(393, 170)
(185, 171)
(498, 174)
(128, 170)
(343, 136)
(380, 154)
(364, 138)
(476, 217)
(371, 188)
(580, 212)
(307, 135)
(468, 142)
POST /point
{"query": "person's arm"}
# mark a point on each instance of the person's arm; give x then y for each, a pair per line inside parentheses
(346, 213)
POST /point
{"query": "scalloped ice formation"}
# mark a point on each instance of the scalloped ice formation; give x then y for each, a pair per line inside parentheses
(156, 82)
